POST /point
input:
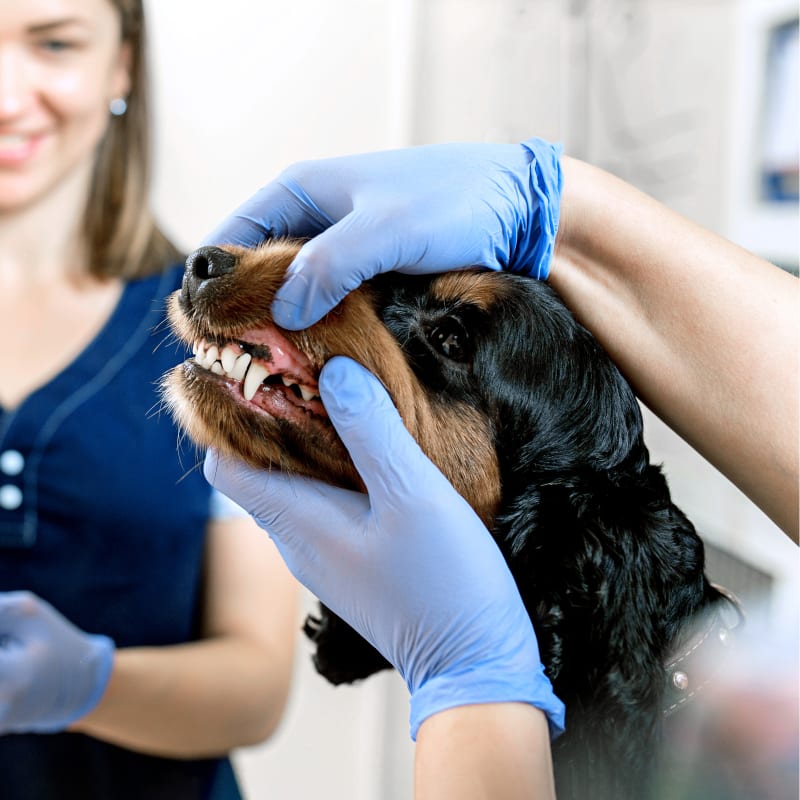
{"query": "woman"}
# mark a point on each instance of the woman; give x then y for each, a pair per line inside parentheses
(149, 635)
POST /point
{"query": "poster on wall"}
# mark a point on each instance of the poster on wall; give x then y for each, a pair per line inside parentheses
(780, 141)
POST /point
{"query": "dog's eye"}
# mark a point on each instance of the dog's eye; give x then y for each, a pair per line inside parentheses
(450, 338)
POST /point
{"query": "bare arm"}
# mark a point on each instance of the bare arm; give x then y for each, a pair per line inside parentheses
(224, 691)
(496, 751)
(705, 331)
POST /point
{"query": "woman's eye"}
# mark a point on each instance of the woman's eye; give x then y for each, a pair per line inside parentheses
(450, 338)
(57, 45)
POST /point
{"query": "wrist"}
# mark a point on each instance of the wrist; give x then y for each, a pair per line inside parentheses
(496, 751)
(601, 224)
(571, 235)
(488, 684)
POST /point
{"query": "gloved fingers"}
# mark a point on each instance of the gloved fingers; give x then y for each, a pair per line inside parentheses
(16, 607)
(279, 209)
(389, 460)
(322, 273)
(337, 261)
(13, 655)
(307, 519)
(280, 501)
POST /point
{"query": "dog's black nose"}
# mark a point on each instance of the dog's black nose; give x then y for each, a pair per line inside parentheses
(202, 266)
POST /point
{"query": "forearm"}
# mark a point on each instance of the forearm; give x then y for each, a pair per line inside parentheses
(189, 701)
(494, 751)
(705, 331)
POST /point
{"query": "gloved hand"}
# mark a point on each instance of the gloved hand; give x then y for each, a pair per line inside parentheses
(418, 210)
(409, 565)
(51, 673)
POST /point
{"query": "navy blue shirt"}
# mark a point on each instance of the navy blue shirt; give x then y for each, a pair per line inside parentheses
(102, 516)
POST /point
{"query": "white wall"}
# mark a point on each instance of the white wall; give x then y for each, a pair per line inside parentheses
(245, 88)
(340, 743)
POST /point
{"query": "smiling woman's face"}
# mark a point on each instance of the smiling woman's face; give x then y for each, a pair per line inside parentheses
(61, 62)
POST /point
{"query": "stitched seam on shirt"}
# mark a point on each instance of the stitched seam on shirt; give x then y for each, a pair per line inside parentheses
(81, 395)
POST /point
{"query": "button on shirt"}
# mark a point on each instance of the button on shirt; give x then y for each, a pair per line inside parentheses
(12, 463)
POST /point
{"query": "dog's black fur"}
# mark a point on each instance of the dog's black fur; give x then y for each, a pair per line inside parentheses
(610, 570)
(608, 567)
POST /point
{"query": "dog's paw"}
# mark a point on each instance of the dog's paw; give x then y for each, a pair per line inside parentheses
(342, 655)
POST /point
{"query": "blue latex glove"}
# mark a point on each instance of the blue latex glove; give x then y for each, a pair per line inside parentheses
(51, 673)
(409, 565)
(418, 210)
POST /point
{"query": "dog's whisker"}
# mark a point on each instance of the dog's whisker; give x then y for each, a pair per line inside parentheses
(197, 466)
(159, 407)
(160, 326)
(171, 339)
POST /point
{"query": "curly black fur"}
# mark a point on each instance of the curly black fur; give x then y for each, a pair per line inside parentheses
(609, 568)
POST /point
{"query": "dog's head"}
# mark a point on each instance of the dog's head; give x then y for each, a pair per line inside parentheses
(476, 363)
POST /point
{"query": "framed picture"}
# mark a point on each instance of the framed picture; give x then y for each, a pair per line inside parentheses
(765, 133)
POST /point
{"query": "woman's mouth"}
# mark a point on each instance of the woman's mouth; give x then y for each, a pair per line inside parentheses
(17, 148)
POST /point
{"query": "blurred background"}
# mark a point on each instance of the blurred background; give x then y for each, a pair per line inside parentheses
(693, 101)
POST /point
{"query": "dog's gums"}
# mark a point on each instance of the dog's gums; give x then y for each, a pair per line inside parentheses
(532, 423)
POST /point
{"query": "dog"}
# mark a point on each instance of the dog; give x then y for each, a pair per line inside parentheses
(526, 415)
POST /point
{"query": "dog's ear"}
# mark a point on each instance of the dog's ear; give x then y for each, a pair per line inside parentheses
(561, 403)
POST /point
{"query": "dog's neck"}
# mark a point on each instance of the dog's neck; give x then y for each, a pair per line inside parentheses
(700, 654)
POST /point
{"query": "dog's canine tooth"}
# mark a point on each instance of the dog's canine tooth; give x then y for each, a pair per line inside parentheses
(195, 347)
(306, 393)
(255, 376)
(239, 369)
(217, 368)
(286, 381)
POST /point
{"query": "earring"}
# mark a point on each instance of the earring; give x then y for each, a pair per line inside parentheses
(118, 106)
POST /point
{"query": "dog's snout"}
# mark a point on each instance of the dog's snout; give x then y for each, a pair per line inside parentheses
(203, 265)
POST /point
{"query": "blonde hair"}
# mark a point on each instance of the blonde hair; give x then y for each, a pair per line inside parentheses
(123, 239)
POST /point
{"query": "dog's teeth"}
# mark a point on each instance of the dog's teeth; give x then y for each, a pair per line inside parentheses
(286, 381)
(255, 376)
(306, 393)
(240, 367)
(217, 368)
(228, 359)
(195, 348)
(212, 355)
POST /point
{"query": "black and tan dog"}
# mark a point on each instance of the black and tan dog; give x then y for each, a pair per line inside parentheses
(529, 419)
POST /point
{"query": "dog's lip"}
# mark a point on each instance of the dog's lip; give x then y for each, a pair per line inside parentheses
(284, 356)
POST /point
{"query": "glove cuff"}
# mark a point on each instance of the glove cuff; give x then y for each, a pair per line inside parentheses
(97, 664)
(472, 688)
(537, 241)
